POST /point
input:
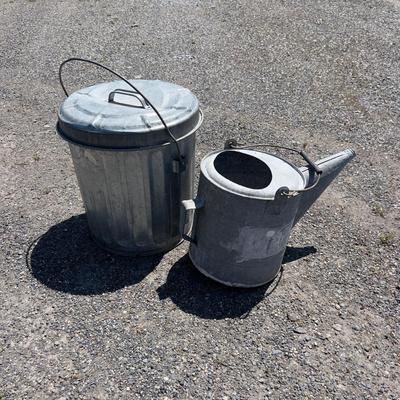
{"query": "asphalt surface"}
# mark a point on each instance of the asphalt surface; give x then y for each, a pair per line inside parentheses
(78, 323)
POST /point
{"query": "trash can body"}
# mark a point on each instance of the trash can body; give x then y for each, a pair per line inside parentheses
(127, 167)
(132, 197)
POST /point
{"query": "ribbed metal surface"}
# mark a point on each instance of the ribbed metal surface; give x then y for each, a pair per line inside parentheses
(132, 198)
(88, 117)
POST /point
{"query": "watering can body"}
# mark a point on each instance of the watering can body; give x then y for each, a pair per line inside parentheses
(244, 212)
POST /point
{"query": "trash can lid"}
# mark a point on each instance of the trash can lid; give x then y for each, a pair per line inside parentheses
(113, 115)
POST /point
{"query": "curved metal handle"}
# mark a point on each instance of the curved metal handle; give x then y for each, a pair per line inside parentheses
(233, 144)
(181, 158)
(189, 205)
(111, 98)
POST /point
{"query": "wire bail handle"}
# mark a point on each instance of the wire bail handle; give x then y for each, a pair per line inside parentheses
(144, 101)
(233, 144)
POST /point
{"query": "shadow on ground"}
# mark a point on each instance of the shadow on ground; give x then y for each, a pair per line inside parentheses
(196, 294)
(66, 259)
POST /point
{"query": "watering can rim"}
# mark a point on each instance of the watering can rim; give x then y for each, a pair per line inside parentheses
(244, 191)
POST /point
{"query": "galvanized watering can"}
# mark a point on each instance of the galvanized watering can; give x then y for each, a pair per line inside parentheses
(246, 205)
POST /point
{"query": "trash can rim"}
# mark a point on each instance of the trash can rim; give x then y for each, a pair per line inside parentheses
(128, 148)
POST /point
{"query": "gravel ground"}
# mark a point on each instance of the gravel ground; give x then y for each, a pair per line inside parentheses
(78, 323)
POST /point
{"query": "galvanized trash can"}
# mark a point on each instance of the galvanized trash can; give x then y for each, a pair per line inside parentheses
(246, 205)
(133, 148)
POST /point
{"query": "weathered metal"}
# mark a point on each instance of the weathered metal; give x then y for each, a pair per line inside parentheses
(132, 197)
(331, 167)
(131, 175)
(243, 212)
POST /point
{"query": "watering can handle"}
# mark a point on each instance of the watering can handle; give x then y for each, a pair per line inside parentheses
(233, 144)
(111, 96)
(189, 205)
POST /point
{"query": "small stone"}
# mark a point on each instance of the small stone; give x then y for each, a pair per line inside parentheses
(337, 327)
(299, 330)
(323, 336)
(293, 317)
(312, 363)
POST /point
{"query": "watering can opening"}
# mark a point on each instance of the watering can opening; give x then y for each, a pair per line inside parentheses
(251, 173)
(243, 169)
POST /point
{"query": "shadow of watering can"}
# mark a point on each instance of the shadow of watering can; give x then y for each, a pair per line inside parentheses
(246, 205)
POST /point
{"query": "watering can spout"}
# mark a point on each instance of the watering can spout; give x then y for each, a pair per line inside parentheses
(330, 167)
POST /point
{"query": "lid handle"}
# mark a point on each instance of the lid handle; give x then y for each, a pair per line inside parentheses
(111, 98)
(137, 91)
